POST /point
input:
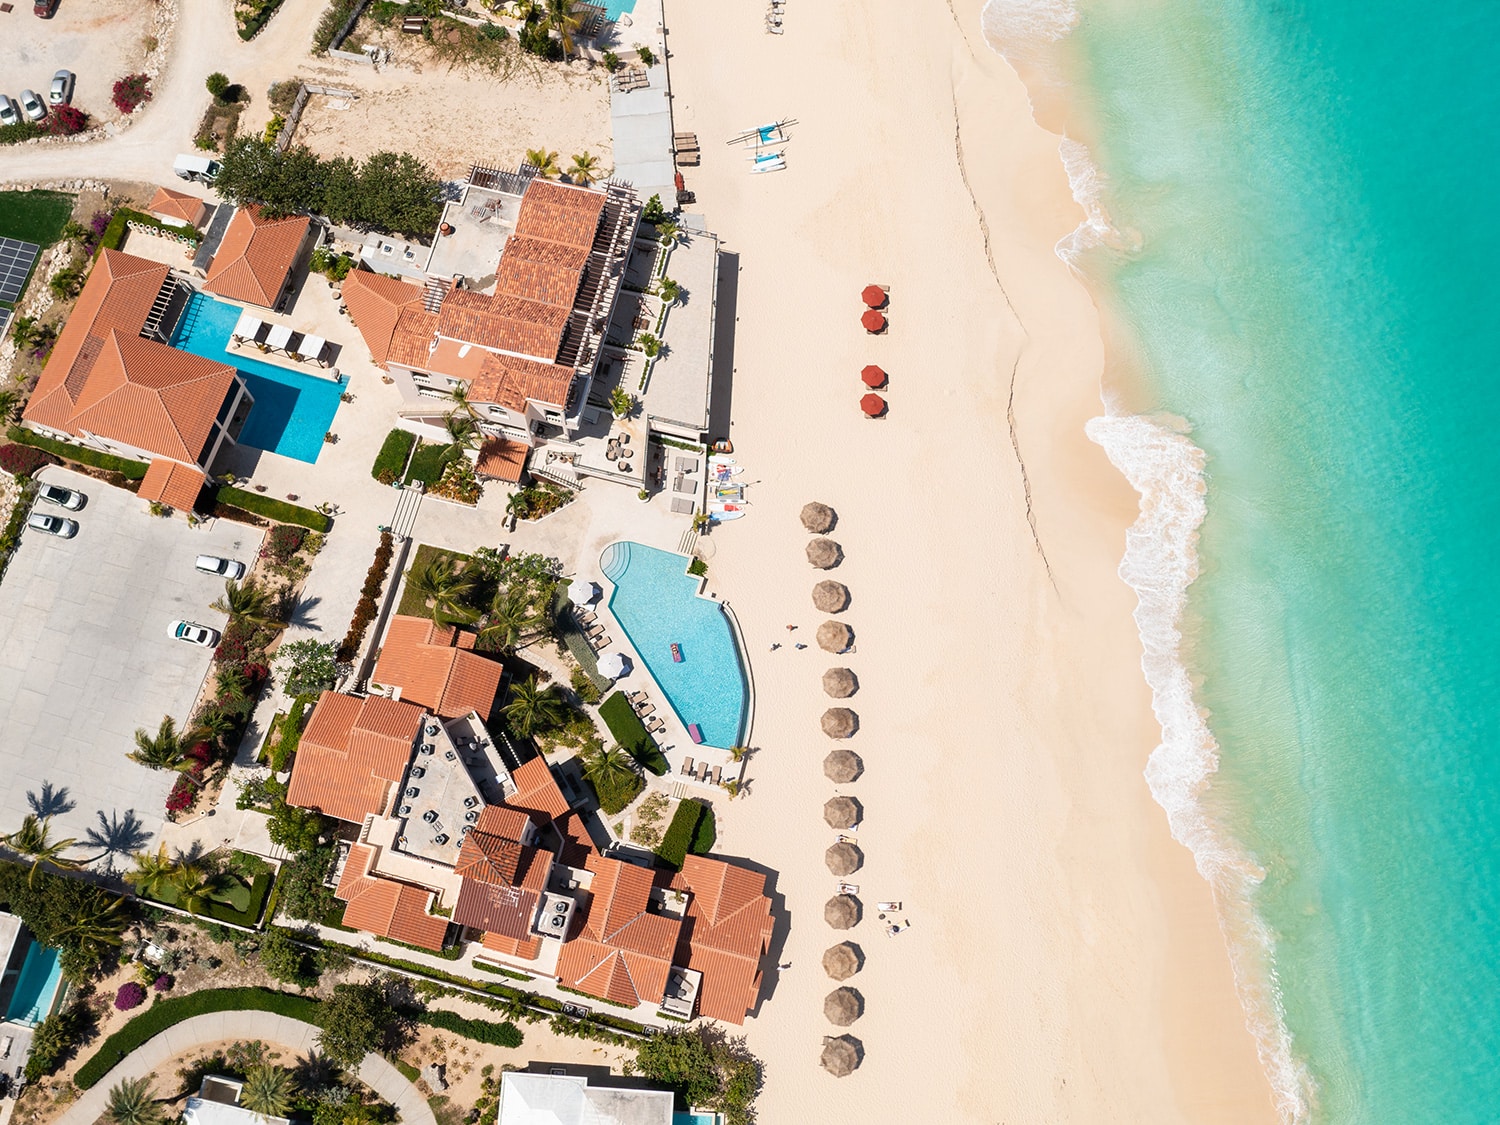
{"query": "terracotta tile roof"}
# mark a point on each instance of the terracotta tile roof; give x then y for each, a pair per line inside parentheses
(537, 793)
(411, 340)
(351, 753)
(174, 484)
(177, 205)
(423, 662)
(385, 907)
(255, 256)
(728, 930)
(375, 303)
(543, 271)
(511, 947)
(502, 459)
(620, 952)
(501, 883)
(562, 213)
(511, 380)
(577, 844)
(502, 820)
(507, 322)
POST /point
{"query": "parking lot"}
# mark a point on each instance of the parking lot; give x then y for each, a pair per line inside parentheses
(99, 40)
(86, 659)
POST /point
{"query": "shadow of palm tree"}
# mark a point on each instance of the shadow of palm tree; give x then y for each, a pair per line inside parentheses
(117, 835)
(50, 801)
(314, 1070)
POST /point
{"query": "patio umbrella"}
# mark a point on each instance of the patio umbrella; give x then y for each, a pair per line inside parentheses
(873, 321)
(873, 405)
(874, 296)
(835, 636)
(842, 766)
(613, 665)
(838, 722)
(842, 859)
(841, 961)
(818, 518)
(841, 912)
(873, 376)
(843, 1006)
(841, 1055)
(840, 683)
(824, 553)
(841, 812)
(581, 591)
(830, 597)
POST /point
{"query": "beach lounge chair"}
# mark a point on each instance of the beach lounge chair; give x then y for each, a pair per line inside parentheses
(687, 767)
(890, 906)
(845, 838)
(645, 709)
(702, 774)
(848, 888)
(600, 642)
(655, 726)
(716, 775)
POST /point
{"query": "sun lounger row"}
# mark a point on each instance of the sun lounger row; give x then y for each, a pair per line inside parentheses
(702, 773)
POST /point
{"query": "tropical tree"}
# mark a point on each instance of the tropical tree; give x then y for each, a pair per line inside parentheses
(668, 235)
(446, 587)
(518, 506)
(608, 768)
(463, 431)
(669, 290)
(532, 709)
(211, 724)
(584, 169)
(255, 604)
(154, 875)
(268, 1090)
(165, 751)
(512, 619)
(10, 401)
(307, 666)
(621, 403)
(196, 888)
(561, 19)
(543, 161)
(356, 1019)
(131, 1103)
(738, 753)
(459, 395)
(34, 841)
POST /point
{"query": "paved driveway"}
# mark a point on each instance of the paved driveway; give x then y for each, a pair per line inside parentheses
(85, 657)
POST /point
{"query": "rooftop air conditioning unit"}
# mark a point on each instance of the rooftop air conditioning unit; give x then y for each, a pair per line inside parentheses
(406, 810)
(432, 728)
(471, 817)
(412, 791)
(418, 771)
(427, 749)
(441, 838)
(451, 756)
(430, 816)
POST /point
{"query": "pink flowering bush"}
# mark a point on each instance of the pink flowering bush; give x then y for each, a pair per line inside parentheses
(163, 983)
(131, 995)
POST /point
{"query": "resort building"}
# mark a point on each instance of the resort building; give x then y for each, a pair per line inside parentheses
(218, 1103)
(565, 1099)
(727, 933)
(434, 667)
(256, 260)
(113, 384)
(620, 950)
(178, 209)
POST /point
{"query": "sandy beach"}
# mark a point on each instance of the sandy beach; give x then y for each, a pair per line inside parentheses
(1063, 961)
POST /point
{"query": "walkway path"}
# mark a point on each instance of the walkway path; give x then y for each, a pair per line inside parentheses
(216, 1027)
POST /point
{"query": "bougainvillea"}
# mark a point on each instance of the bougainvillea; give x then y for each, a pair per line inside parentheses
(23, 460)
(65, 120)
(163, 983)
(131, 995)
(283, 542)
(130, 91)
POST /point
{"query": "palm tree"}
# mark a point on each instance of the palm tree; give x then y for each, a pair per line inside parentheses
(734, 787)
(255, 604)
(10, 399)
(164, 752)
(98, 921)
(532, 709)
(543, 161)
(446, 587)
(212, 725)
(510, 619)
(668, 235)
(530, 11)
(518, 506)
(608, 769)
(33, 839)
(268, 1090)
(669, 290)
(154, 875)
(196, 888)
(463, 431)
(560, 18)
(131, 1103)
(584, 169)
(737, 753)
(460, 396)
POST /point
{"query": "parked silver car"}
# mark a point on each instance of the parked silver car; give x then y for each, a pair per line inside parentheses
(32, 105)
(52, 525)
(224, 568)
(10, 113)
(62, 88)
(62, 497)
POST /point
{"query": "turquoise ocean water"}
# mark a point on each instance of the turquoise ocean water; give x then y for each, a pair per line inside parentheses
(1289, 216)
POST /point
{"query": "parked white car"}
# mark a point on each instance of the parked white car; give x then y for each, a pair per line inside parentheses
(10, 113)
(62, 88)
(194, 634)
(62, 497)
(224, 568)
(32, 105)
(52, 525)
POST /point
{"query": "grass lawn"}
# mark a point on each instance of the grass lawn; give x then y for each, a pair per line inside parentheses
(412, 604)
(34, 216)
(429, 461)
(631, 733)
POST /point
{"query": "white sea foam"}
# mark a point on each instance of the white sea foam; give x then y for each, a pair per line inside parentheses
(1160, 563)
(1086, 181)
(1019, 25)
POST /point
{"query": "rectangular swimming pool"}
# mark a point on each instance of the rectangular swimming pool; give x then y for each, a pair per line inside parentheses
(36, 987)
(292, 411)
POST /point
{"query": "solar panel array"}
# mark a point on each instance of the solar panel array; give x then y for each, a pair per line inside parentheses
(4, 322)
(16, 258)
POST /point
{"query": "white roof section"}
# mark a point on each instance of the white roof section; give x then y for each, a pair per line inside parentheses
(556, 1099)
(641, 133)
(201, 1111)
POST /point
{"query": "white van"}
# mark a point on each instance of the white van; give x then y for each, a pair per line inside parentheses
(199, 168)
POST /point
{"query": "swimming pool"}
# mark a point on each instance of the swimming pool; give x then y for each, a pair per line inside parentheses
(292, 411)
(614, 9)
(695, 1119)
(36, 987)
(655, 601)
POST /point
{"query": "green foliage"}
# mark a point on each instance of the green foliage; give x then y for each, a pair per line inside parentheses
(611, 61)
(84, 922)
(289, 734)
(284, 959)
(706, 1068)
(55, 1037)
(281, 95)
(697, 568)
(392, 456)
(114, 234)
(268, 1090)
(487, 967)
(612, 774)
(131, 1103)
(307, 667)
(34, 216)
(280, 511)
(251, 18)
(332, 22)
(296, 830)
(653, 211)
(532, 709)
(680, 834)
(631, 733)
(504, 1034)
(356, 1020)
(134, 470)
(706, 832)
(217, 84)
(646, 56)
(584, 687)
(649, 344)
(429, 462)
(302, 893)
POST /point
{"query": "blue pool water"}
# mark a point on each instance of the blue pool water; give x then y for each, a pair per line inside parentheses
(656, 602)
(41, 975)
(695, 1119)
(292, 412)
(614, 9)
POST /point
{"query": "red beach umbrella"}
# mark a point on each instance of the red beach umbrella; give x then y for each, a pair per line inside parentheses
(873, 405)
(874, 296)
(873, 376)
(873, 321)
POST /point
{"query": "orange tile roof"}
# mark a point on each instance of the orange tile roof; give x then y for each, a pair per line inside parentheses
(621, 952)
(501, 882)
(525, 949)
(511, 380)
(174, 484)
(177, 205)
(502, 459)
(502, 820)
(728, 931)
(255, 256)
(543, 271)
(537, 793)
(375, 303)
(562, 213)
(351, 753)
(507, 322)
(385, 907)
(421, 660)
(411, 341)
(577, 844)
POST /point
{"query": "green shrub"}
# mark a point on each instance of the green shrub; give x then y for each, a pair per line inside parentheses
(679, 836)
(504, 1034)
(486, 967)
(217, 84)
(617, 797)
(697, 568)
(332, 23)
(706, 833)
(278, 510)
(584, 686)
(428, 463)
(631, 733)
(80, 454)
(114, 234)
(408, 1072)
(251, 24)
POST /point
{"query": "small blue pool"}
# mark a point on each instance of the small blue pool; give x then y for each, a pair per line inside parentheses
(292, 411)
(656, 602)
(614, 9)
(36, 987)
(680, 1118)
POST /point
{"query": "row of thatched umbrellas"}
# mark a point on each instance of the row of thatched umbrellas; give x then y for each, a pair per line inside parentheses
(842, 1054)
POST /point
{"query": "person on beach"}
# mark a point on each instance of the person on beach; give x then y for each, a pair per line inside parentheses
(801, 646)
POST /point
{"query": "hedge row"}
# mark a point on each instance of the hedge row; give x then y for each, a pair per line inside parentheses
(504, 1034)
(687, 833)
(251, 27)
(80, 454)
(391, 459)
(114, 234)
(172, 1011)
(631, 733)
(278, 510)
(367, 608)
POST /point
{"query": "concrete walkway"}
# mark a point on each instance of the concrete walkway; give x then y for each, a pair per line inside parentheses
(216, 1027)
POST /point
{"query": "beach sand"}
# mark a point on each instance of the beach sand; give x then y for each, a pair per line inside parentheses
(1063, 962)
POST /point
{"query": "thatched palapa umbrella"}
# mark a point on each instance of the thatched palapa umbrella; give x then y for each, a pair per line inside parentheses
(842, 859)
(843, 1006)
(835, 636)
(818, 518)
(839, 722)
(841, 812)
(840, 683)
(841, 912)
(830, 596)
(824, 553)
(842, 766)
(841, 1055)
(842, 961)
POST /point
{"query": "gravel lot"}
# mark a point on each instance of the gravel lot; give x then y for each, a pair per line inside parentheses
(99, 40)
